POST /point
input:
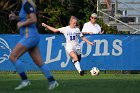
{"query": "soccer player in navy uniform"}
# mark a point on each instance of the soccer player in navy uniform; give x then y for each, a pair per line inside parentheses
(29, 43)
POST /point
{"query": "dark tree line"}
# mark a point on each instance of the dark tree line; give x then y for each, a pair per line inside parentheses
(54, 12)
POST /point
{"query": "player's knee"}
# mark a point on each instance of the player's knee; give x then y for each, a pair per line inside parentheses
(75, 59)
(12, 58)
(39, 64)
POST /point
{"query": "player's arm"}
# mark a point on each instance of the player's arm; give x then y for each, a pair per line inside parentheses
(50, 28)
(86, 40)
(31, 15)
(30, 20)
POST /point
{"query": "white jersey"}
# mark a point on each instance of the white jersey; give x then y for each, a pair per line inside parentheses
(71, 35)
(89, 27)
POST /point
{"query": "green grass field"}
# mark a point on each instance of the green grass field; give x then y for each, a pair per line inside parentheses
(71, 82)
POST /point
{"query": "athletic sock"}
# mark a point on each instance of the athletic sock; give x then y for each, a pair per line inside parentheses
(79, 57)
(77, 66)
(45, 69)
(20, 69)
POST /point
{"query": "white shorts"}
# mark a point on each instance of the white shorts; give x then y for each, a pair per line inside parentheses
(74, 48)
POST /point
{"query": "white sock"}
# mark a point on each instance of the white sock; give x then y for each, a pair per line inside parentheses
(77, 66)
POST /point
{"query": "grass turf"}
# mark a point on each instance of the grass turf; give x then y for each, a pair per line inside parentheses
(71, 82)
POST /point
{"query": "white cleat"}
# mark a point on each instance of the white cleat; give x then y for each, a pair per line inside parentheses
(23, 84)
(53, 85)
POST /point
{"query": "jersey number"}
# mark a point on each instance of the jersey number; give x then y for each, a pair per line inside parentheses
(72, 38)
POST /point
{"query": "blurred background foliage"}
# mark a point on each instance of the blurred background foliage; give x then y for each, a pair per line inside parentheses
(53, 12)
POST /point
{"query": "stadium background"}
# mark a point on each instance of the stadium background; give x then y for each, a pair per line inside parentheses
(57, 13)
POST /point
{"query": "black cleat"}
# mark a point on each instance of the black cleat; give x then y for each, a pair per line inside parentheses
(82, 73)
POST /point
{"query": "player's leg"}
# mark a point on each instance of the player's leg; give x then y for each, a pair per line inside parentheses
(16, 53)
(36, 56)
(77, 50)
(76, 62)
(23, 46)
(79, 59)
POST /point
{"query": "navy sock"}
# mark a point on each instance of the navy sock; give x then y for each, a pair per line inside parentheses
(50, 79)
(23, 76)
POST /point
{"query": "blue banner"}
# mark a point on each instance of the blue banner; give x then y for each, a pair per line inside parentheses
(109, 52)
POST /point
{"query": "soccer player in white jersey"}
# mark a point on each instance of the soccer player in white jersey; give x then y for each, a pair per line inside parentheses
(71, 34)
(92, 27)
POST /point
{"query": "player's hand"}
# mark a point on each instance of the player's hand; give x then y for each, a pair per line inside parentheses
(91, 43)
(43, 24)
(19, 24)
(12, 16)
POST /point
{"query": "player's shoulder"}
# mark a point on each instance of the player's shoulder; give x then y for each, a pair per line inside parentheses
(67, 27)
(63, 29)
(28, 7)
(77, 28)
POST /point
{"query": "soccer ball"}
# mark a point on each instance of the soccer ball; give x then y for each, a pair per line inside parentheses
(94, 71)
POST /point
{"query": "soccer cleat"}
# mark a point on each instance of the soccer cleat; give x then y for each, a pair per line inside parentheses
(53, 85)
(23, 84)
(82, 73)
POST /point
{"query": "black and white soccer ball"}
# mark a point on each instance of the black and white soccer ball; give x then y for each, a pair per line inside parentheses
(94, 71)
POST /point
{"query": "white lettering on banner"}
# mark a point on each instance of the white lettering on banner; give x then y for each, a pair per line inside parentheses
(49, 48)
(117, 47)
(106, 47)
(5, 50)
(58, 58)
(89, 48)
(64, 64)
(116, 51)
(97, 49)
